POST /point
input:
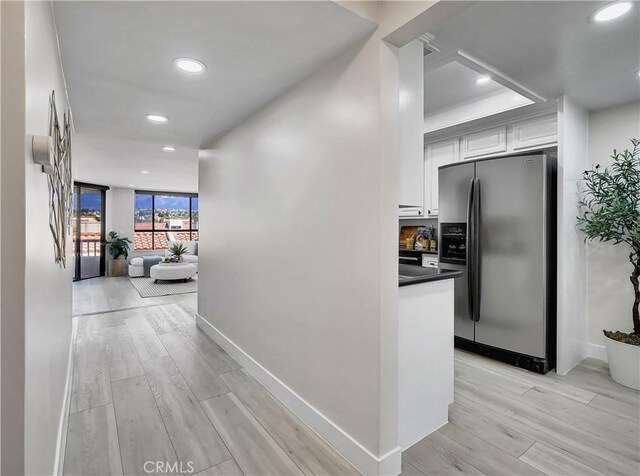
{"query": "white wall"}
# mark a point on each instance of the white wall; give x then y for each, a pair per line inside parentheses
(311, 183)
(610, 294)
(572, 261)
(119, 210)
(291, 267)
(299, 265)
(43, 324)
(48, 287)
(12, 231)
(410, 140)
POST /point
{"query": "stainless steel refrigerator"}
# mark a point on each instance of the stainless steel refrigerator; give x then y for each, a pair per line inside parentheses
(497, 224)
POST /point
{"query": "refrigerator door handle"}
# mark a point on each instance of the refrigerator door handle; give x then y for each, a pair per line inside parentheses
(477, 252)
(470, 246)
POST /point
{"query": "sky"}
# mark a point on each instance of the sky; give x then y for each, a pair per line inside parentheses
(91, 201)
(167, 202)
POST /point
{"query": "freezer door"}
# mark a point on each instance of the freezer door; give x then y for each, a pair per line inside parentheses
(512, 254)
(453, 191)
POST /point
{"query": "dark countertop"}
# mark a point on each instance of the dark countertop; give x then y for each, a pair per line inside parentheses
(410, 274)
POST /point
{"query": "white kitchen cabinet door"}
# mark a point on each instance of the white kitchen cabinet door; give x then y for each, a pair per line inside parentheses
(491, 141)
(411, 124)
(436, 155)
(535, 132)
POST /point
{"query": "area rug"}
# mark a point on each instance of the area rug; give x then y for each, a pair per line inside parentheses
(148, 288)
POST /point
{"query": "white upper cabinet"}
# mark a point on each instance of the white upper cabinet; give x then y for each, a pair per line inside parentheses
(535, 132)
(436, 155)
(491, 141)
(411, 123)
(521, 136)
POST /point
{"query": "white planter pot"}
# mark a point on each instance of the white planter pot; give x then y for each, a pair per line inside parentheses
(624, 362)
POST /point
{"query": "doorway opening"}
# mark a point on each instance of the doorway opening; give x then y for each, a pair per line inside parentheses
(89, 230)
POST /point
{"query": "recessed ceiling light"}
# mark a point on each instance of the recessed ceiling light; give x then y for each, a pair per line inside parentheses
(611, 11)
(144, 172)
(156, 118)
(130, 185)
(168, 148)
(189, 65)
(483, 79)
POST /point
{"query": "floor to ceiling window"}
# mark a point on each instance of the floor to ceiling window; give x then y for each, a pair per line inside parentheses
(88, 230)
(160, 217)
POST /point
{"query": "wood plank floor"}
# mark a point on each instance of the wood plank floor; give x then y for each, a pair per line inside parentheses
(98, 295)
(150, 386)
(507, 421)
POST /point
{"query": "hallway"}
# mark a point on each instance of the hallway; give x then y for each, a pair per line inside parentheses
(150, 387)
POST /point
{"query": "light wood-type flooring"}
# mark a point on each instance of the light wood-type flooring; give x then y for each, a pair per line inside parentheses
(150, 387)
(98, 295)
(507, 421)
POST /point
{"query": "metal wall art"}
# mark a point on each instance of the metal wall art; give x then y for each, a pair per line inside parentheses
(60, 181)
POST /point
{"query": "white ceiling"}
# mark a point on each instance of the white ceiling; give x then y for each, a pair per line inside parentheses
(117, 58)
(119, 163)
(551, 48)
(453, 84)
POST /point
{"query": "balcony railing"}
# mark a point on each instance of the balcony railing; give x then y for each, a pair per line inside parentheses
(90, 247)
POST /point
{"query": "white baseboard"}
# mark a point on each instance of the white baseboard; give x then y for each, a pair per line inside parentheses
(597, 351)
(58, 465)
(354, 452)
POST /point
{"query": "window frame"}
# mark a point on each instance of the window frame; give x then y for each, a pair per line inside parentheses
(153, 229)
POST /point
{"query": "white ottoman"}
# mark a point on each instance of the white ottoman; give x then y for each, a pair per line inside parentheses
(173, 271)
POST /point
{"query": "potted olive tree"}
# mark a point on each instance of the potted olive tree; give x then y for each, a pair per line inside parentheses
(119, 251)
(610, 211)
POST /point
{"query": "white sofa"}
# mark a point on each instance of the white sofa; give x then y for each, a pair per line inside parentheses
(136, 265)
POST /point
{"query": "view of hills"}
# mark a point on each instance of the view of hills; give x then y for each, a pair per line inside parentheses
(165, 202)
(89, 201)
